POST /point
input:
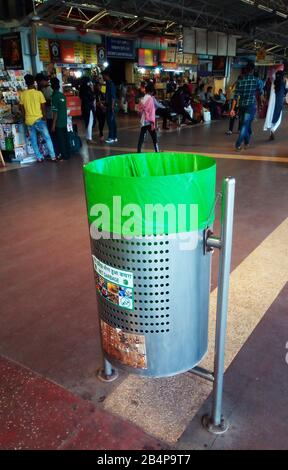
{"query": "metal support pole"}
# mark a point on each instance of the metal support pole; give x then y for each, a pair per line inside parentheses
(107, 373)
(216, 422)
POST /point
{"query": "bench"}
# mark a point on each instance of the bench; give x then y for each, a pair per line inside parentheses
(174, 117)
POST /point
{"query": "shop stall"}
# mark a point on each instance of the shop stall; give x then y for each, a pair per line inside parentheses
(13, 139)
(15, 143)
(70, 61)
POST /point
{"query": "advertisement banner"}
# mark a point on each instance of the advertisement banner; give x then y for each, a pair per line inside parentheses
(68, 52)
(90, 53)
(190, 59)
(147, 58)
(219, 65)
(44, 50)
(179, 58)
(55, 51)
(79, 52)
(120, 48)
(12, 51)
(102, 56)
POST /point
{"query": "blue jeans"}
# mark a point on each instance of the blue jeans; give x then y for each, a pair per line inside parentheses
(246, 116)
(41, 127)
(111, 121)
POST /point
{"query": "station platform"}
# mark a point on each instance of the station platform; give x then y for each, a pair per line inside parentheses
(49, 334)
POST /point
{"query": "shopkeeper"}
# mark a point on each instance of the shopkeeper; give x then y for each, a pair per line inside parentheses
(59, 126)
(34, 111)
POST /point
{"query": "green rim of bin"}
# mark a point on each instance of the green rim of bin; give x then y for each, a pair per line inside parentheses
(150, 179)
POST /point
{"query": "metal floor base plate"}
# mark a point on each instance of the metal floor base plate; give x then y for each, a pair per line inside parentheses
(107, 378)
(212, 428)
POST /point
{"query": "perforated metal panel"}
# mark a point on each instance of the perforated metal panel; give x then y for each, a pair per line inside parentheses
(170, 303)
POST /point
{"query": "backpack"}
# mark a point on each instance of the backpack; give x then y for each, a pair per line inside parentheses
(75, 142)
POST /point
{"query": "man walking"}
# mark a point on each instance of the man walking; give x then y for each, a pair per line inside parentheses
(110, 107)
(33, 108)
(246, 91)
(59, 124)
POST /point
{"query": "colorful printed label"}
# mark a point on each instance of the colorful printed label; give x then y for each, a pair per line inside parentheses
(129, 349)
(114, 285)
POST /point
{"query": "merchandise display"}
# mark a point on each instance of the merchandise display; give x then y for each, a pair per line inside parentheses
(14, 138)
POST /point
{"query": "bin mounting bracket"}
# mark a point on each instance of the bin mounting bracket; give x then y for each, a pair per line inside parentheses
(215, 422)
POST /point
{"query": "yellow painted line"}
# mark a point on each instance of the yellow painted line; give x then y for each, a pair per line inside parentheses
(234, 156)
(164, 407)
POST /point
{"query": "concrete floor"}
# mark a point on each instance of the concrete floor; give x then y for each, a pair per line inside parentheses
(49, 317)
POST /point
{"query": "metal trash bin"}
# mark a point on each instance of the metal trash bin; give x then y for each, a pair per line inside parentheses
(153, 295)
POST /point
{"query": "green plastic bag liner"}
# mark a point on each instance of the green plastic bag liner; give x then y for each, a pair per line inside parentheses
(151, 178)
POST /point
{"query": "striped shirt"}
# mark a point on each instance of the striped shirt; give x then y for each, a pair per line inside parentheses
(246, 90)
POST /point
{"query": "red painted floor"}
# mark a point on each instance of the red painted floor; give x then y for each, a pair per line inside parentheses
(37, 414)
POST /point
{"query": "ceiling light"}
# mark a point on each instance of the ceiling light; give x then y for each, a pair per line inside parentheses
(154, 20)
(250, 2)
(121, 14)
(264, 8)
(283, 15)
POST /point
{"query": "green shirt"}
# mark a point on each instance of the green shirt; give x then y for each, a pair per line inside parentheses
(59, 106)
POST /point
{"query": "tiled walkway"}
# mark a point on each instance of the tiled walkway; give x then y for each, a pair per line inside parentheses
(48, 319)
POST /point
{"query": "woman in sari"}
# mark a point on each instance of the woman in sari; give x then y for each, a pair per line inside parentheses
(274, 113)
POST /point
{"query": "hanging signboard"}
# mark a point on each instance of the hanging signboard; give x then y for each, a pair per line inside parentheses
(168, 55)
(90, 53)
(68, 52)
(55, 51)
(187, 59)
(79, 52)
(171, 54)
(102, 56)
(147, 58)
(219, 66)
(12, 51)
(119, 48)
(169, 65)
(44, 50)
(179, 58)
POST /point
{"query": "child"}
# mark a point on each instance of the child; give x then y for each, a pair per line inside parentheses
(147, 109)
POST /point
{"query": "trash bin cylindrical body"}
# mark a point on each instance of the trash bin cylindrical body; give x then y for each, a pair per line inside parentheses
(153, 294)
(166, 333)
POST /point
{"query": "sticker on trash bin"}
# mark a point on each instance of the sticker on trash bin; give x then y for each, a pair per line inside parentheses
(127, 348)
(114, 285)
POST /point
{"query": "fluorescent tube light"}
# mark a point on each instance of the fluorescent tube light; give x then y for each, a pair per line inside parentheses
(283, 15)
(264, 8)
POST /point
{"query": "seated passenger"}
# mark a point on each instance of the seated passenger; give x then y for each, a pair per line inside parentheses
(179, 103)
(161, 111)
(202, 95)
